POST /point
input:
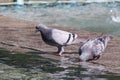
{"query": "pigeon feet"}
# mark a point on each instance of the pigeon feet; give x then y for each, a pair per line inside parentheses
(58, 54)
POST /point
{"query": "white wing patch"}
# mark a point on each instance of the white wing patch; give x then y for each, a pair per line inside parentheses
(60, 36)
(63, 37)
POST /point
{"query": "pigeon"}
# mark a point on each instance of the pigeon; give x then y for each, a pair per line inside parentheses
(93, 48)
(58, 38)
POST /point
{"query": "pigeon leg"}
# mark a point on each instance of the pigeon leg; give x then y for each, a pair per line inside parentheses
(97, 57)
(60, 50)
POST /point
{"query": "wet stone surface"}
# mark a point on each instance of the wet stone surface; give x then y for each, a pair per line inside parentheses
(20, 66)
(24, 66)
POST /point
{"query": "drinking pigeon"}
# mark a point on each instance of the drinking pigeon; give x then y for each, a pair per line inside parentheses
(58, 38)
(93, 48)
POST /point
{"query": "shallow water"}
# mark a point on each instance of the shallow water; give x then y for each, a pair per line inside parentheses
(95, 17)
(32, 66)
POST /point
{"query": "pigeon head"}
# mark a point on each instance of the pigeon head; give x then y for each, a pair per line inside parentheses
(41, 27)
(107, 38)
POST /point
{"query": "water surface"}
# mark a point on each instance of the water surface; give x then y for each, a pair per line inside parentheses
(32, 66)
(95, 17)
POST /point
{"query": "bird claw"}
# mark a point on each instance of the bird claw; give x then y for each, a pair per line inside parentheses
(58, 54)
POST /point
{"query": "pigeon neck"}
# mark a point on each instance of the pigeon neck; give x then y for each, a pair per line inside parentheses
(106, 41)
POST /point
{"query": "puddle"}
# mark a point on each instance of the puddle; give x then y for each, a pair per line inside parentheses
(30, 66)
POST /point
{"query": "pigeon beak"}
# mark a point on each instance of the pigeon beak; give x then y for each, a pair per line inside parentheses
(37, 30)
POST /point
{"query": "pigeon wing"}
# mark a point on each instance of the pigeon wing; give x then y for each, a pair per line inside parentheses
(98, 47)
(62, 37)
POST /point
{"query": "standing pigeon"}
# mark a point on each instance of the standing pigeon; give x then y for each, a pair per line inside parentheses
(58, 38)
(93, 48)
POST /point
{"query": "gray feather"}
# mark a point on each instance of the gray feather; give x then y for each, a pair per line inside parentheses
(93, 48)
(58, 38)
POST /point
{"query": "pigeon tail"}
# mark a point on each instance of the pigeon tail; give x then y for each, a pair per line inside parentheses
(79, 40)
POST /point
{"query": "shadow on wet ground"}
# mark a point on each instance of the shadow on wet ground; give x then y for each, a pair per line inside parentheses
(33, 66)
